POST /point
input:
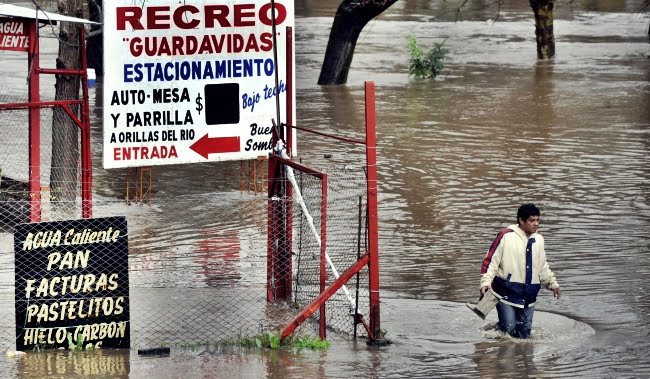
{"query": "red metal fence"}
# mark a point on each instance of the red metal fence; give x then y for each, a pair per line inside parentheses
(207, 264)
(311, 264)
(68, 115)
(198, 253)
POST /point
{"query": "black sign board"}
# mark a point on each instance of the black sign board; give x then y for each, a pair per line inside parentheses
(72, 284)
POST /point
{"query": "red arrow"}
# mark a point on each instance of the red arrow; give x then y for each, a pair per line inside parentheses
(206, 145)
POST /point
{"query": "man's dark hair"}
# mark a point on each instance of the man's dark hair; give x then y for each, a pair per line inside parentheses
(527, 210)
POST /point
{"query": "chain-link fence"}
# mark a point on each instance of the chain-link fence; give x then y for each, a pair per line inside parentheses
(58, 173)
(40, 180)
(320, 209)
(197, 266)
(197, 261)
(185, 261)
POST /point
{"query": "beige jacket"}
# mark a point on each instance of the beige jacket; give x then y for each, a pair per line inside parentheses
(516, 267)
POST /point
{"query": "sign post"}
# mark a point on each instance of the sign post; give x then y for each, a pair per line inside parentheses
(192, 81)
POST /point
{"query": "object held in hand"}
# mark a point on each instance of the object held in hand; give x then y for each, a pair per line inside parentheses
(485, 304)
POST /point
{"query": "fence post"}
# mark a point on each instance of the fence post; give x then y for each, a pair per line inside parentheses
(34, 126)
(373, 224)
(289, 95)
(322, 331)
(287, 260)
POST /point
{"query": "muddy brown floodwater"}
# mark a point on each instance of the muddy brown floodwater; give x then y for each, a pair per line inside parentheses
(457, 156)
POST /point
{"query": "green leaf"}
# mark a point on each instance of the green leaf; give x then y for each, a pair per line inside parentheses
(275, 342)
(427, 65)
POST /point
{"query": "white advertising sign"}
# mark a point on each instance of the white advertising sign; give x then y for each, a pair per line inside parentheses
(192, 81)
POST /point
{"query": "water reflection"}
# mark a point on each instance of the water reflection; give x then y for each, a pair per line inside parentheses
(104, 363)
(505, 359)
(217, 256)
(543, 94)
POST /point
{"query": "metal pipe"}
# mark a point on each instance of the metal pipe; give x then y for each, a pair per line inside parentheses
(373, 224)
(356, 299)
(34, 126)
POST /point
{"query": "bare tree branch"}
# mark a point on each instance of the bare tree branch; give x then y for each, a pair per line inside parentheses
(458, 10)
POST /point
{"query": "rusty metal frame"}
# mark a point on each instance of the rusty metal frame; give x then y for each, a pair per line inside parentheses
(371, 256)
(34, 106)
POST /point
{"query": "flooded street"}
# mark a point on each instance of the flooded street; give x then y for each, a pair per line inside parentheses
(499, 128)
(457, 155)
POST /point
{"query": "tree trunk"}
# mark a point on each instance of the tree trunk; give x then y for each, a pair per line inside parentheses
(350, 19)
(543, 10)
(65, 144)
(95, 48)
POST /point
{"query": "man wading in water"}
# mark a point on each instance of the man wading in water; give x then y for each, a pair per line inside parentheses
(515, 267)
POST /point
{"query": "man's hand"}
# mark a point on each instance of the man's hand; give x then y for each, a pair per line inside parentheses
(484, 289)
(557, 292)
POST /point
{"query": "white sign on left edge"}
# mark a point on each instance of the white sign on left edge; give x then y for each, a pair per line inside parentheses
(192, 81)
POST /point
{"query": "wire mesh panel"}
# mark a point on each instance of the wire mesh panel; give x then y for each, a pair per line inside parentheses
(195, 260)
(346, 241)
(196, 263)
(297, 230)
(325, 221)
(14, 167)
(58, 170)
(307, 241)
(197, 255)
(59, 173)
